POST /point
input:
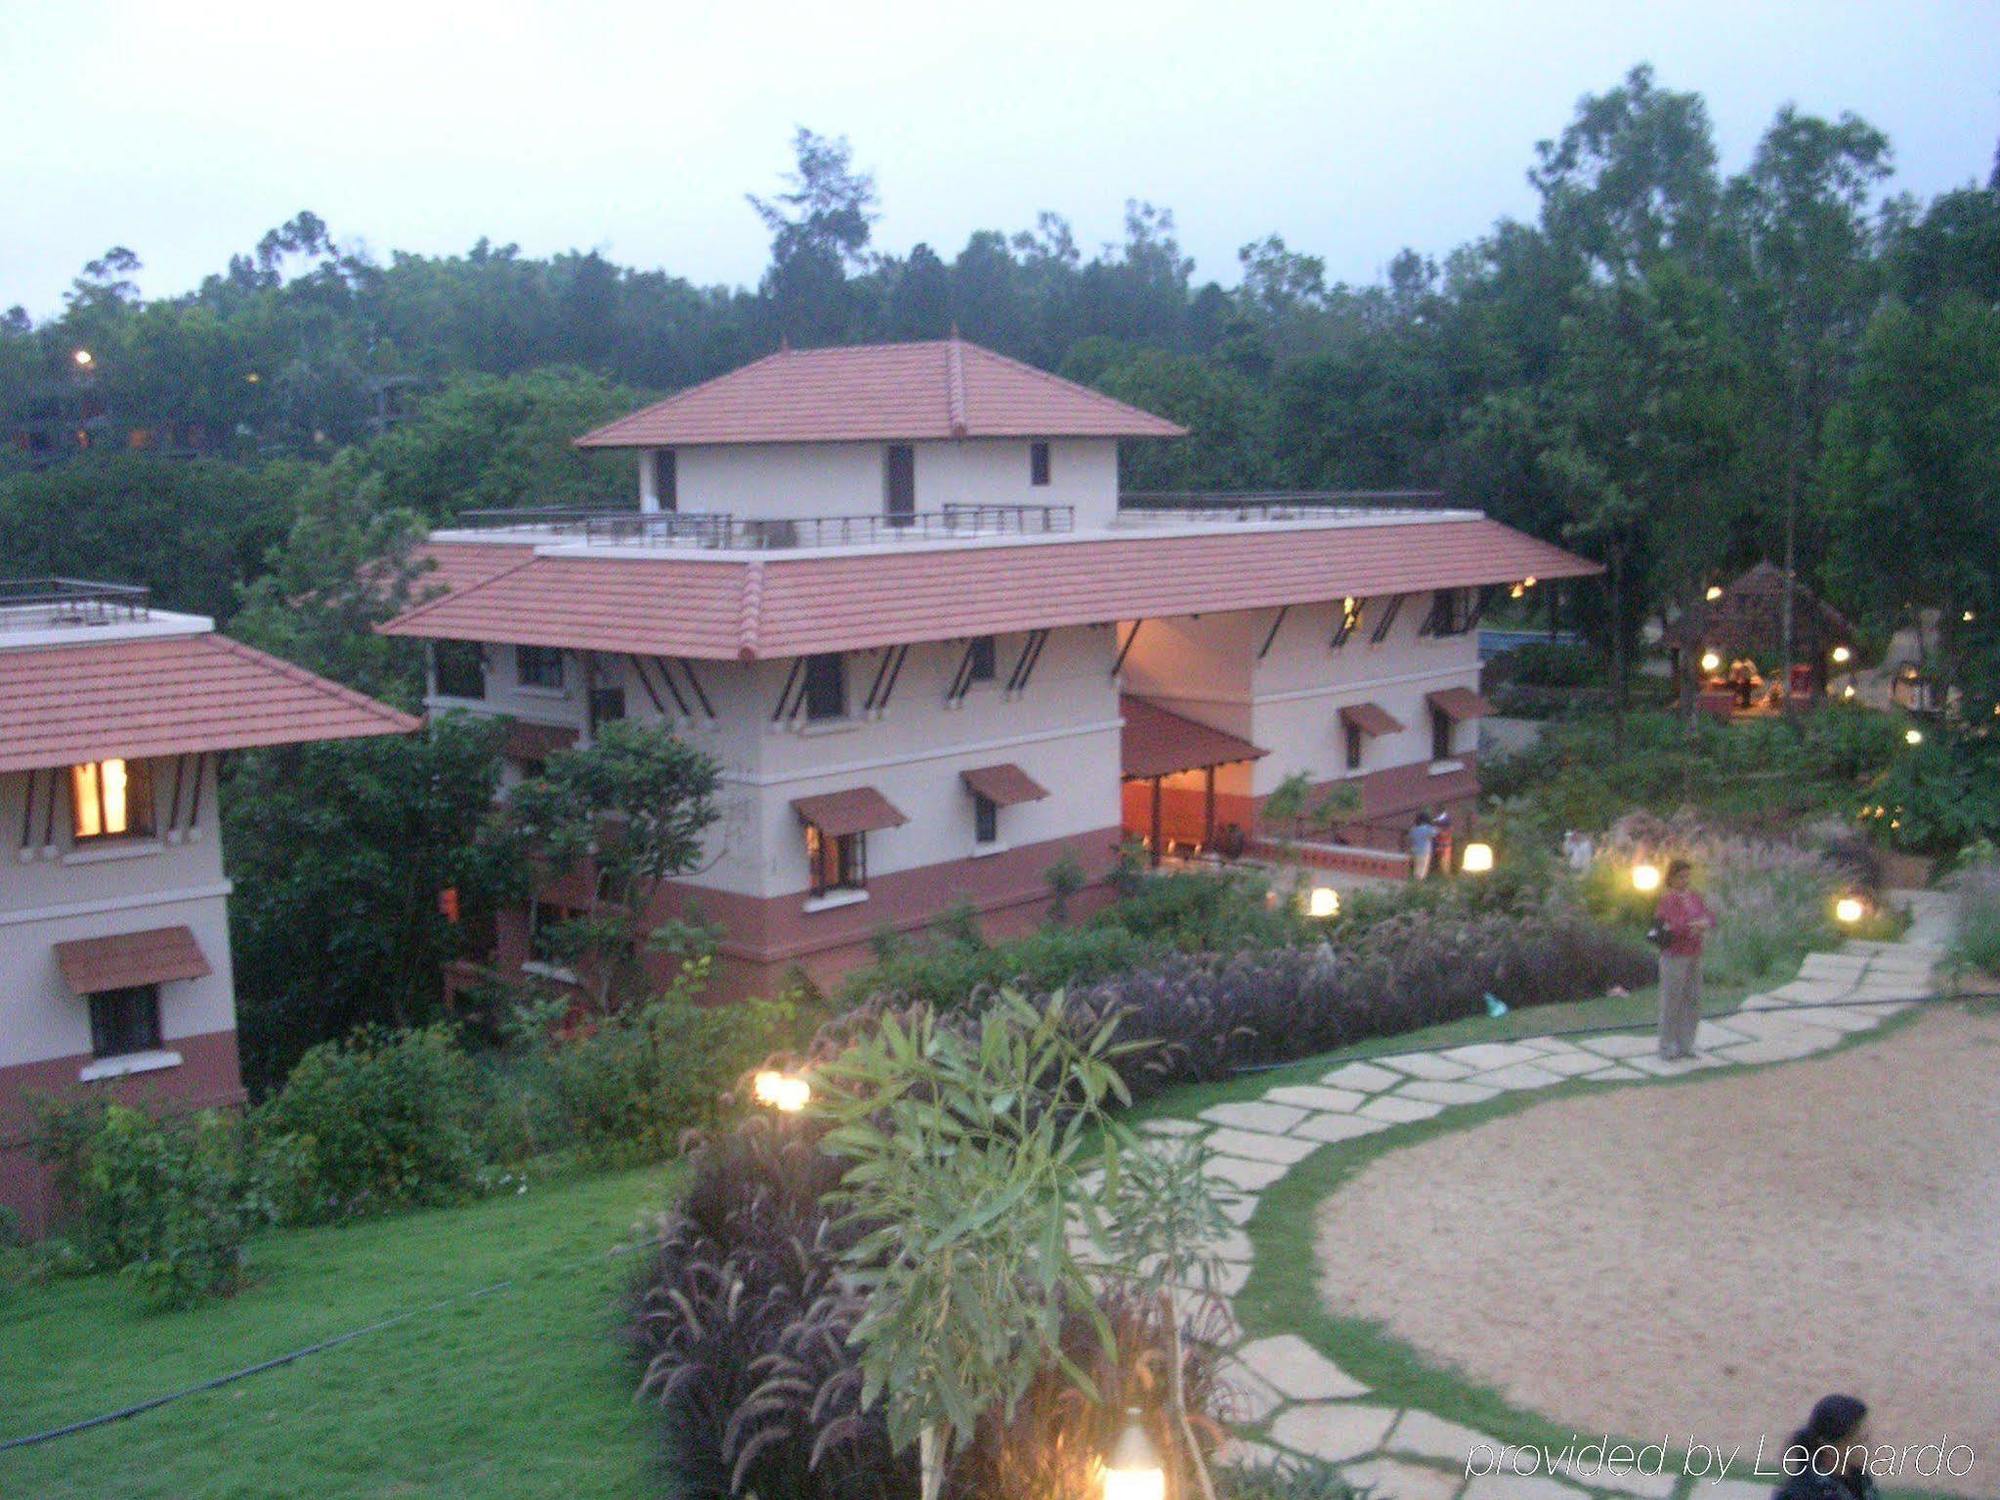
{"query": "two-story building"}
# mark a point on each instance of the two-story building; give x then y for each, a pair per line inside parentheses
(894, 592)
(114, 927)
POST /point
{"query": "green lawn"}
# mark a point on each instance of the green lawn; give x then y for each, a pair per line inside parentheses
(519, 1393)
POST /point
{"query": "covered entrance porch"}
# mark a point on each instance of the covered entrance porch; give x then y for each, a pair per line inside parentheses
(1169, 764)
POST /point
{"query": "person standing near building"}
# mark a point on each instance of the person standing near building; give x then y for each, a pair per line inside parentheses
(1421, 836)
(1681, 924)
(1443, 847)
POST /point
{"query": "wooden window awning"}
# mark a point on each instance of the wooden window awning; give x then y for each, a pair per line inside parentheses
(1004, 785)
(90, 966)
(859, 809)
(1460, 704)
(1371, 719)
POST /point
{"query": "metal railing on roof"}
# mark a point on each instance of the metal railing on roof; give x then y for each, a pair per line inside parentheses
(1183, 506)
(721, 531)
(31, 603)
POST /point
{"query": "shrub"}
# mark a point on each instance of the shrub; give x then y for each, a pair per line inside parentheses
(1196, 913)
(171, 1203)
(1773, 900)
(383, 1120)
(948, 975)
(1939, 797)
(1548, 664)
(1975, 936)
(629, 1087)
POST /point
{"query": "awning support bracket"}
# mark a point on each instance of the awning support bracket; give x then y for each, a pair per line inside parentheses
(1272, 635)
(1126, 649)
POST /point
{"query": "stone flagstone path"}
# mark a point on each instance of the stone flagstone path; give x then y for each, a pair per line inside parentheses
(1291, 1401)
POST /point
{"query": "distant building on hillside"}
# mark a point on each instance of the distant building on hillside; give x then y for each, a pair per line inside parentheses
(896, 592)
(114, 929)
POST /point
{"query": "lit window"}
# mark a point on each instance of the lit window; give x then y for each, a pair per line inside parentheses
(125, 1021)
(111, 799)
(538, 666)
(1038, 464)
(839, 863)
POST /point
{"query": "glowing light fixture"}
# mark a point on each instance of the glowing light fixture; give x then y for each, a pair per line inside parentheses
(1714, 592)
(1528, 582)
(784, 1092)
(1324, 902)
(1645, 877)
(1848, 910)
(1966, 617)
(1842, 656)
(1913, 736)
(1477, 860)
(84, 359)
(1710, 661)
(1133, 1470)
(1848, 691)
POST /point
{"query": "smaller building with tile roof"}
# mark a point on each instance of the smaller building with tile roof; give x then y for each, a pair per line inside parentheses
(114, 930)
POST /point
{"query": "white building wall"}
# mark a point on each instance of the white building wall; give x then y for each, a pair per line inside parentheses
(1289, 702)
(1063, 730)
(60, 892)
(768, 481)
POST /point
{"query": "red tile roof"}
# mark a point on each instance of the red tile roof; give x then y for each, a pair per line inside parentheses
(1157, 741)
(459, 565)
(1370, 718)
(859, 809)
(723, 608)
(90, 966)
(1004, 785)
(168, 695)
(947, 389)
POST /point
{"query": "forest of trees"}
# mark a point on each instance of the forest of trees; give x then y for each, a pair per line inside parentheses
(1673, 370)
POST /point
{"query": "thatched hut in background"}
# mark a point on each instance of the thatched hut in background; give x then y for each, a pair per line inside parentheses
(1746, 618)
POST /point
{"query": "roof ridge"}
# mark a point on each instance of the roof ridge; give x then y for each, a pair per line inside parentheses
(313, 679)
(751, 619)
(425, 606)
(680, 395)
(954, 386)
(1050, 377)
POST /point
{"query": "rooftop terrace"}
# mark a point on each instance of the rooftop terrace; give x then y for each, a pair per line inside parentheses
(719, 531)
(45, 603)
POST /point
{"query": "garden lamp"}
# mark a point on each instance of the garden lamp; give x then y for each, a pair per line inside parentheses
(1842, 656)
(784, 1092)
(1645, 877)
(84, 359)
(1848, 910)
(1714, 592)
(1133, 1470)
(1913, 736)
(1710, 661)
(1478, 859)
(1324, 902)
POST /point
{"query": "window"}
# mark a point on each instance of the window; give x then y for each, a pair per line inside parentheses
(985, 820)
(1353, 746)
(1440, 734)
(125, 1021)
(980, 660)
(826, 687)
(1452, 613)
(548, 943)
(607, 704)
(839, 863)
(111, 799)
(538, 666)
(1038, 464)
(461, 669)
(666, 479)
(899, 483)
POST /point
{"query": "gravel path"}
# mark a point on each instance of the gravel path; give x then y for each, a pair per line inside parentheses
(1709, 1260)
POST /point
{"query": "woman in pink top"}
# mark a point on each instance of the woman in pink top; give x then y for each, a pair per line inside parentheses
(1683, 920)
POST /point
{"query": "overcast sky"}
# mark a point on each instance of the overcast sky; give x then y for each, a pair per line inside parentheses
(186, 130)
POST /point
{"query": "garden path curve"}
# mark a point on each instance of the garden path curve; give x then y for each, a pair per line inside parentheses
(1293, 1402)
